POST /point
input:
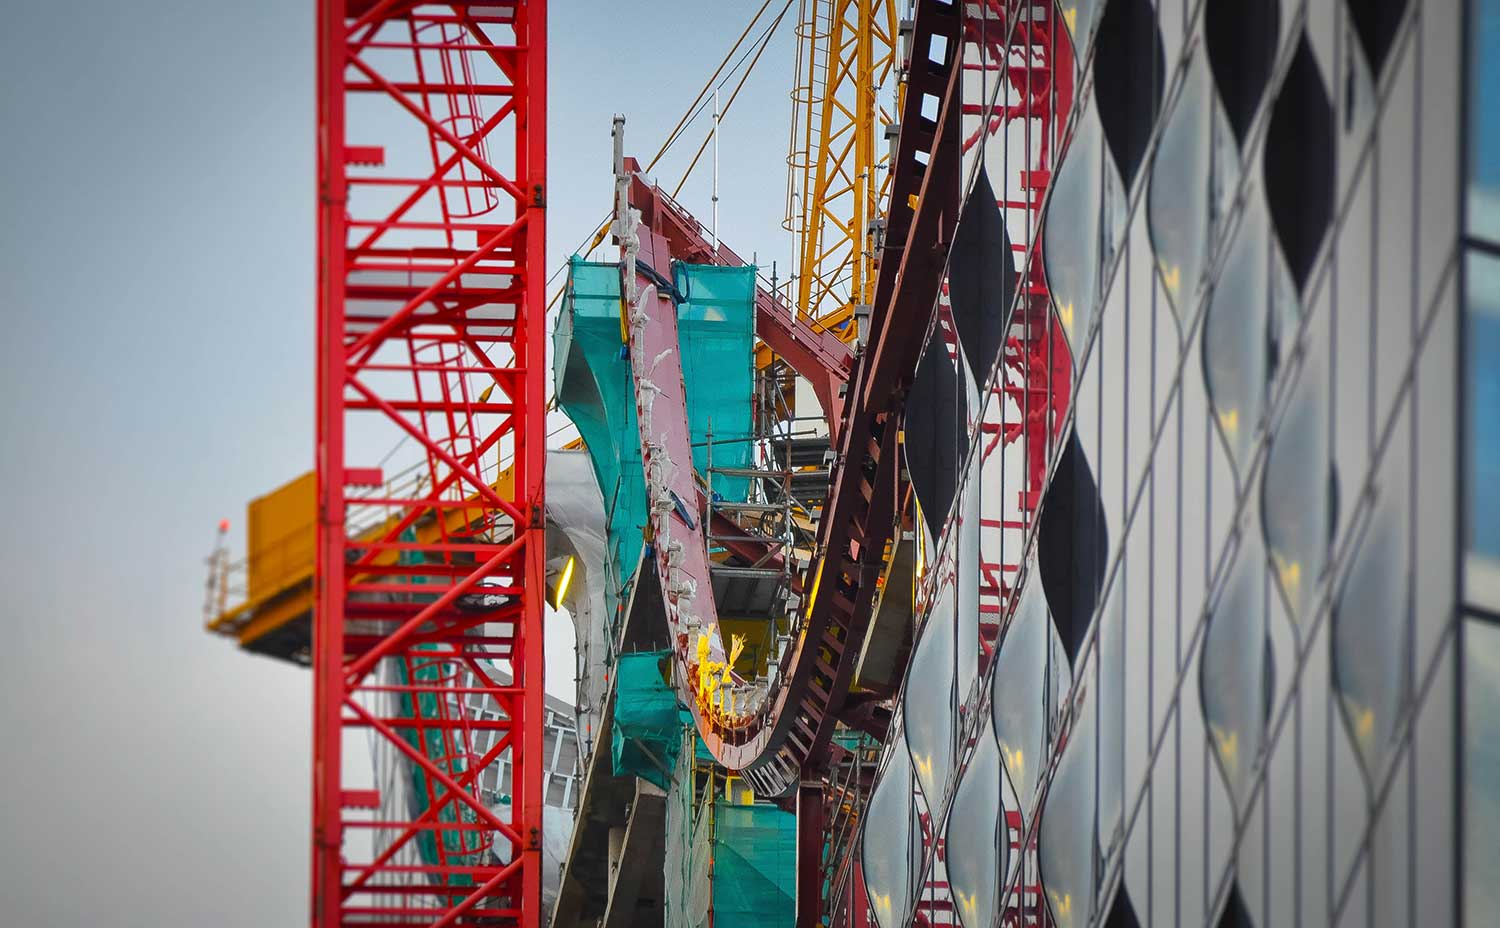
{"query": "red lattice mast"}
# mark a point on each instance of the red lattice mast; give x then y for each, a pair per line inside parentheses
(430, 581)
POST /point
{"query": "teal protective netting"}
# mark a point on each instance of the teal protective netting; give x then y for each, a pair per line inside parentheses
(754, 866)
(459, 846)
(677, 847)
(594, 386)
(716, 329)
(724, 860)
(728, 863)
(440, 745)
(646, 736)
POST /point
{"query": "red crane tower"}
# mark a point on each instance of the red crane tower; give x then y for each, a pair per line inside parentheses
(430, 585)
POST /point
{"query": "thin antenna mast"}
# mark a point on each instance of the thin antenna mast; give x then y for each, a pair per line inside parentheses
(713, 227)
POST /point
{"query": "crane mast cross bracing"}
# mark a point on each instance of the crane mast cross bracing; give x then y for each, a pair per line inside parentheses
(837, 177)
(431, 231)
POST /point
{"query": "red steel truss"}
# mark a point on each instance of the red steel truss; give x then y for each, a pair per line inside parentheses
(430, 582)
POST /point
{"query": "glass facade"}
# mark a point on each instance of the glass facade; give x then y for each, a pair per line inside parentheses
(1236, 462)
(1480, 450)
(1483, 422)
(1481, 770)
(1484, 120)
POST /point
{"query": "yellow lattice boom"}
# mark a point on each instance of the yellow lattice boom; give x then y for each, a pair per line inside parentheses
(846, 69)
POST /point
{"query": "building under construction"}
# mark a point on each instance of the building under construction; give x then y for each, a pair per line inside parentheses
(1095, 525)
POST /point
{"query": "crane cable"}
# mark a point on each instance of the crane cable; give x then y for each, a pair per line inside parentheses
(764, 44)
(695, 109)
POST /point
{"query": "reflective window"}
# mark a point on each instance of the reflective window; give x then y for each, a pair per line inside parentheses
(1018, 697)
(999, 518)
(1121, 911)
(1482, 563)
(1371, 630)
(1237, 335)
(981, 278)
(1234, 914)
(1073, 238)
(1299, 495)
(981, 88)
(1235, 677)
(1481, 752)
(891, 846)
(1082, 16)
(969, 580)
(929, 705)
(1484, 119)
(975, 853)
(1187, 177)
(1065, 844)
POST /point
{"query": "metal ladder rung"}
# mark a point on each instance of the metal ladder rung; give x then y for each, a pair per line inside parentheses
(748, 573)
(749, 507)
(748, 472)
(749, 539)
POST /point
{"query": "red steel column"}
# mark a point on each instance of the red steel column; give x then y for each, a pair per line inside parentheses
(810, 842)
(428, 625)
(328, 624)
(531, 451)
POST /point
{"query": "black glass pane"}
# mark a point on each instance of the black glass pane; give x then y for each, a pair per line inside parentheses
(1241, 39)
(936, 433)
(1299, 163)
(1072, 544)
(1129, 65)
(981, 279)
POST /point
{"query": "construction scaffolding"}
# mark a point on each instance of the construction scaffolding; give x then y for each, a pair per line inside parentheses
(730, 859)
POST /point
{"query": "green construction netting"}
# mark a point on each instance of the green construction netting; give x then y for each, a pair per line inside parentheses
(754, 866)
(716, 332)
(595, 388)
(677, 869)
(716, 329)
(646, 735)
(678, 828)
(440, 744)
(726, 863)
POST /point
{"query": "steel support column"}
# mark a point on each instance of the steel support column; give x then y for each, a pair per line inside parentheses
(810, 841)
(430, 581)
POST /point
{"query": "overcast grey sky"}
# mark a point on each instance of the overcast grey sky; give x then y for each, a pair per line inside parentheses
(156, 257)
